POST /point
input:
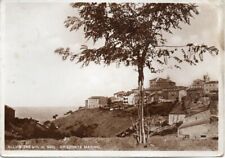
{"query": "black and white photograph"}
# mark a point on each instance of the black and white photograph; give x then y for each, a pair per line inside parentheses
(133, 78)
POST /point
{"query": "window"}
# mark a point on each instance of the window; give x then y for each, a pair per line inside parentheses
(203, 136)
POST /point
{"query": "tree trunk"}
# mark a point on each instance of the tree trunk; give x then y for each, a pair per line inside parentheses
(142, 136)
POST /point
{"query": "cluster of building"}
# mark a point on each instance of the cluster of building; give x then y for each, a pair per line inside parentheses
(121, 97)
(197, 111)
(192, 105)
(159, 90)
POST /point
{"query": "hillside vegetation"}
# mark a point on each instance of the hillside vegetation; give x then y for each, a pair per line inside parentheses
(95, 123)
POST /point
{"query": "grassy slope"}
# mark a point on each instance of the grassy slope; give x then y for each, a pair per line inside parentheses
(95, 122)
(102, 123)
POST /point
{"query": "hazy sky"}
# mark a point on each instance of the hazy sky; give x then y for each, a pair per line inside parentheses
(35, 76)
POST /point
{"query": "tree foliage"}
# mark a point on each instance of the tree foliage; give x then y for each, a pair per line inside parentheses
(133, 34)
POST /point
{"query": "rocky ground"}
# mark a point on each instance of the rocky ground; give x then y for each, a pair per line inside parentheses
(157, 143)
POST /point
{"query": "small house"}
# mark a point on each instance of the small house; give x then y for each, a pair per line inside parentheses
(119, 96)
(177, 114)
(196, 125)
(96, 101)
(129, 99)
(194, 130)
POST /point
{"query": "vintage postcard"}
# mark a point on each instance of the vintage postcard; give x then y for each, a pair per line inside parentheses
(112, 78)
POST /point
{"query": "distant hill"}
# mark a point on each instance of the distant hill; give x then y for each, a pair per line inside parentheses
(95, 122)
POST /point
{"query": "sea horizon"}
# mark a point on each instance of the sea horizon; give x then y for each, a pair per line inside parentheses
(42, 113)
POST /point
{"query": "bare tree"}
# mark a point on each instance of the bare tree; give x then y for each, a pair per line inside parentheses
(133, 34)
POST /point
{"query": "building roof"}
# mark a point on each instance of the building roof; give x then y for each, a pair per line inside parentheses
(128, 93)
(120, 93)
(194, 123)
(198, 110)
(159, 79)
(209, 82)
(97, 97)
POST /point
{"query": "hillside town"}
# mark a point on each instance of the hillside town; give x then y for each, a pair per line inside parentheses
(194, 107)
(188, 113)
(159, 90)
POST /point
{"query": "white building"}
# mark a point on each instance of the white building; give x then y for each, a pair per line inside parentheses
(96, 101)
(196, 126)
(177, 114)
(119, 96)
(129, 99)
(194, 130)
